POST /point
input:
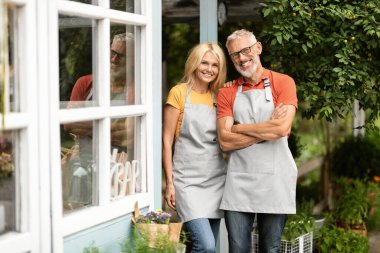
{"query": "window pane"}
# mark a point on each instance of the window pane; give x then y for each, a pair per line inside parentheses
(76, 61)
(122, 59)
(8, 139)
(9, 68)
(120, 5)
(94, 2)
(128, 169)
(125, 5)
(78, 165)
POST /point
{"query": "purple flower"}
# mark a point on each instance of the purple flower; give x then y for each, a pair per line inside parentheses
(155, 217)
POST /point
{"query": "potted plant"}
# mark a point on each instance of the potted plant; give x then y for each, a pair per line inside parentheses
(156, 227)
(373, 221)
(352, 205)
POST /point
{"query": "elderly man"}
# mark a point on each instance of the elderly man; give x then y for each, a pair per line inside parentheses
(261, 175)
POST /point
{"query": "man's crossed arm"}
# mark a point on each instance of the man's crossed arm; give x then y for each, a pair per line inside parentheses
(233, 137)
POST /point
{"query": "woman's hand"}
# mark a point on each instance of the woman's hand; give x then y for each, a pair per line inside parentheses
(228, 84)
(170, 196)
(279, 112)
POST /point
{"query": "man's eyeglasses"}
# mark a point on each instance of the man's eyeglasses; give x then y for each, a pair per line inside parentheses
(118, 55)
(244, 51)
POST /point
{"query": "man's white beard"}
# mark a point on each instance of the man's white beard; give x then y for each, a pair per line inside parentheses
(119, 75)
(246, 73)
(249, 72)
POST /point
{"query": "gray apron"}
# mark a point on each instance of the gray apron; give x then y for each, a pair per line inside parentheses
(199, 169)
(262, 177)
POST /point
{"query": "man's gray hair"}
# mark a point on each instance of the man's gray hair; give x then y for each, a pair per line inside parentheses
(241, 33)
(124, 37)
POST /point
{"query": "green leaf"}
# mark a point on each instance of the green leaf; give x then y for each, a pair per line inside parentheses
(266, 12)
(337, 69)
(279, 39)
(304, 47)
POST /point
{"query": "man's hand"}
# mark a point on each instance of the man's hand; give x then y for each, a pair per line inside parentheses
(279, 112)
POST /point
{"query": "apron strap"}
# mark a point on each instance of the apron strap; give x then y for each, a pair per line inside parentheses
(268, 92)
(240, 89)
(188, 90)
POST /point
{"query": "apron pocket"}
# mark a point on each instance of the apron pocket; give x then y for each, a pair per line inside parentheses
(258, 158)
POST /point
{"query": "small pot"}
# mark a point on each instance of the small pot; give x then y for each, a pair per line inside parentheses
(319, 221)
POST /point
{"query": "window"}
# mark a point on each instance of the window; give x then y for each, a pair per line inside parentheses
(76, 140)
(104, 112)
(18, 164)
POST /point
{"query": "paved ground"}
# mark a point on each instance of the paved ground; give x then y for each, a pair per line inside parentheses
(374, 242)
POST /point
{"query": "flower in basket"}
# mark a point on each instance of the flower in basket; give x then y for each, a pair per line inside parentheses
(154, 217)
(156, 227)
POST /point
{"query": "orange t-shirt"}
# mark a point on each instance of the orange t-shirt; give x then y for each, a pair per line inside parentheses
(282, 86)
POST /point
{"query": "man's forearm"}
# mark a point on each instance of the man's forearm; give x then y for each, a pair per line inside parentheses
(268, 130)
(232, 141)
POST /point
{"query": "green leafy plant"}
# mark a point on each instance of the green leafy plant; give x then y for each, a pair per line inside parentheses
(373, 221)
(330, 48)
(352, 202)
(334, 239)
(297, 225)
(93, 249)
(139, 243)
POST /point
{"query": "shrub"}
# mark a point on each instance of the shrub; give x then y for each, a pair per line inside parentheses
(356, 157)
(336, 239)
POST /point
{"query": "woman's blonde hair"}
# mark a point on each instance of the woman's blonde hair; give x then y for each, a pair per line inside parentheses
(194, 60)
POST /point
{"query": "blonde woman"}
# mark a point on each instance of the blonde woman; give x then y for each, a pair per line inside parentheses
(195, 170)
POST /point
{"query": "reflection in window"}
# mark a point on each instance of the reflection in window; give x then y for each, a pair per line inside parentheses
(78, 165)
(9, 68)
(123, 5)
(122, 55)
(95, 2)
(128, 174)
(120, 5)
(76, 61)
(7, 181)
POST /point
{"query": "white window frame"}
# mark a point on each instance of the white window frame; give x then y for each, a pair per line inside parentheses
(106, 209)
(27, 237)
(40, 222)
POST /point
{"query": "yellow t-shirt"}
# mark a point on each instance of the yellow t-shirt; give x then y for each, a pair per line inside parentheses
(177, 99)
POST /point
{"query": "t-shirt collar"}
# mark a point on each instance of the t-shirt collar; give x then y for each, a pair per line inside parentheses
(241, 80)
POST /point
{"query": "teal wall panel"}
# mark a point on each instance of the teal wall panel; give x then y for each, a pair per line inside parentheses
(108, 236)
